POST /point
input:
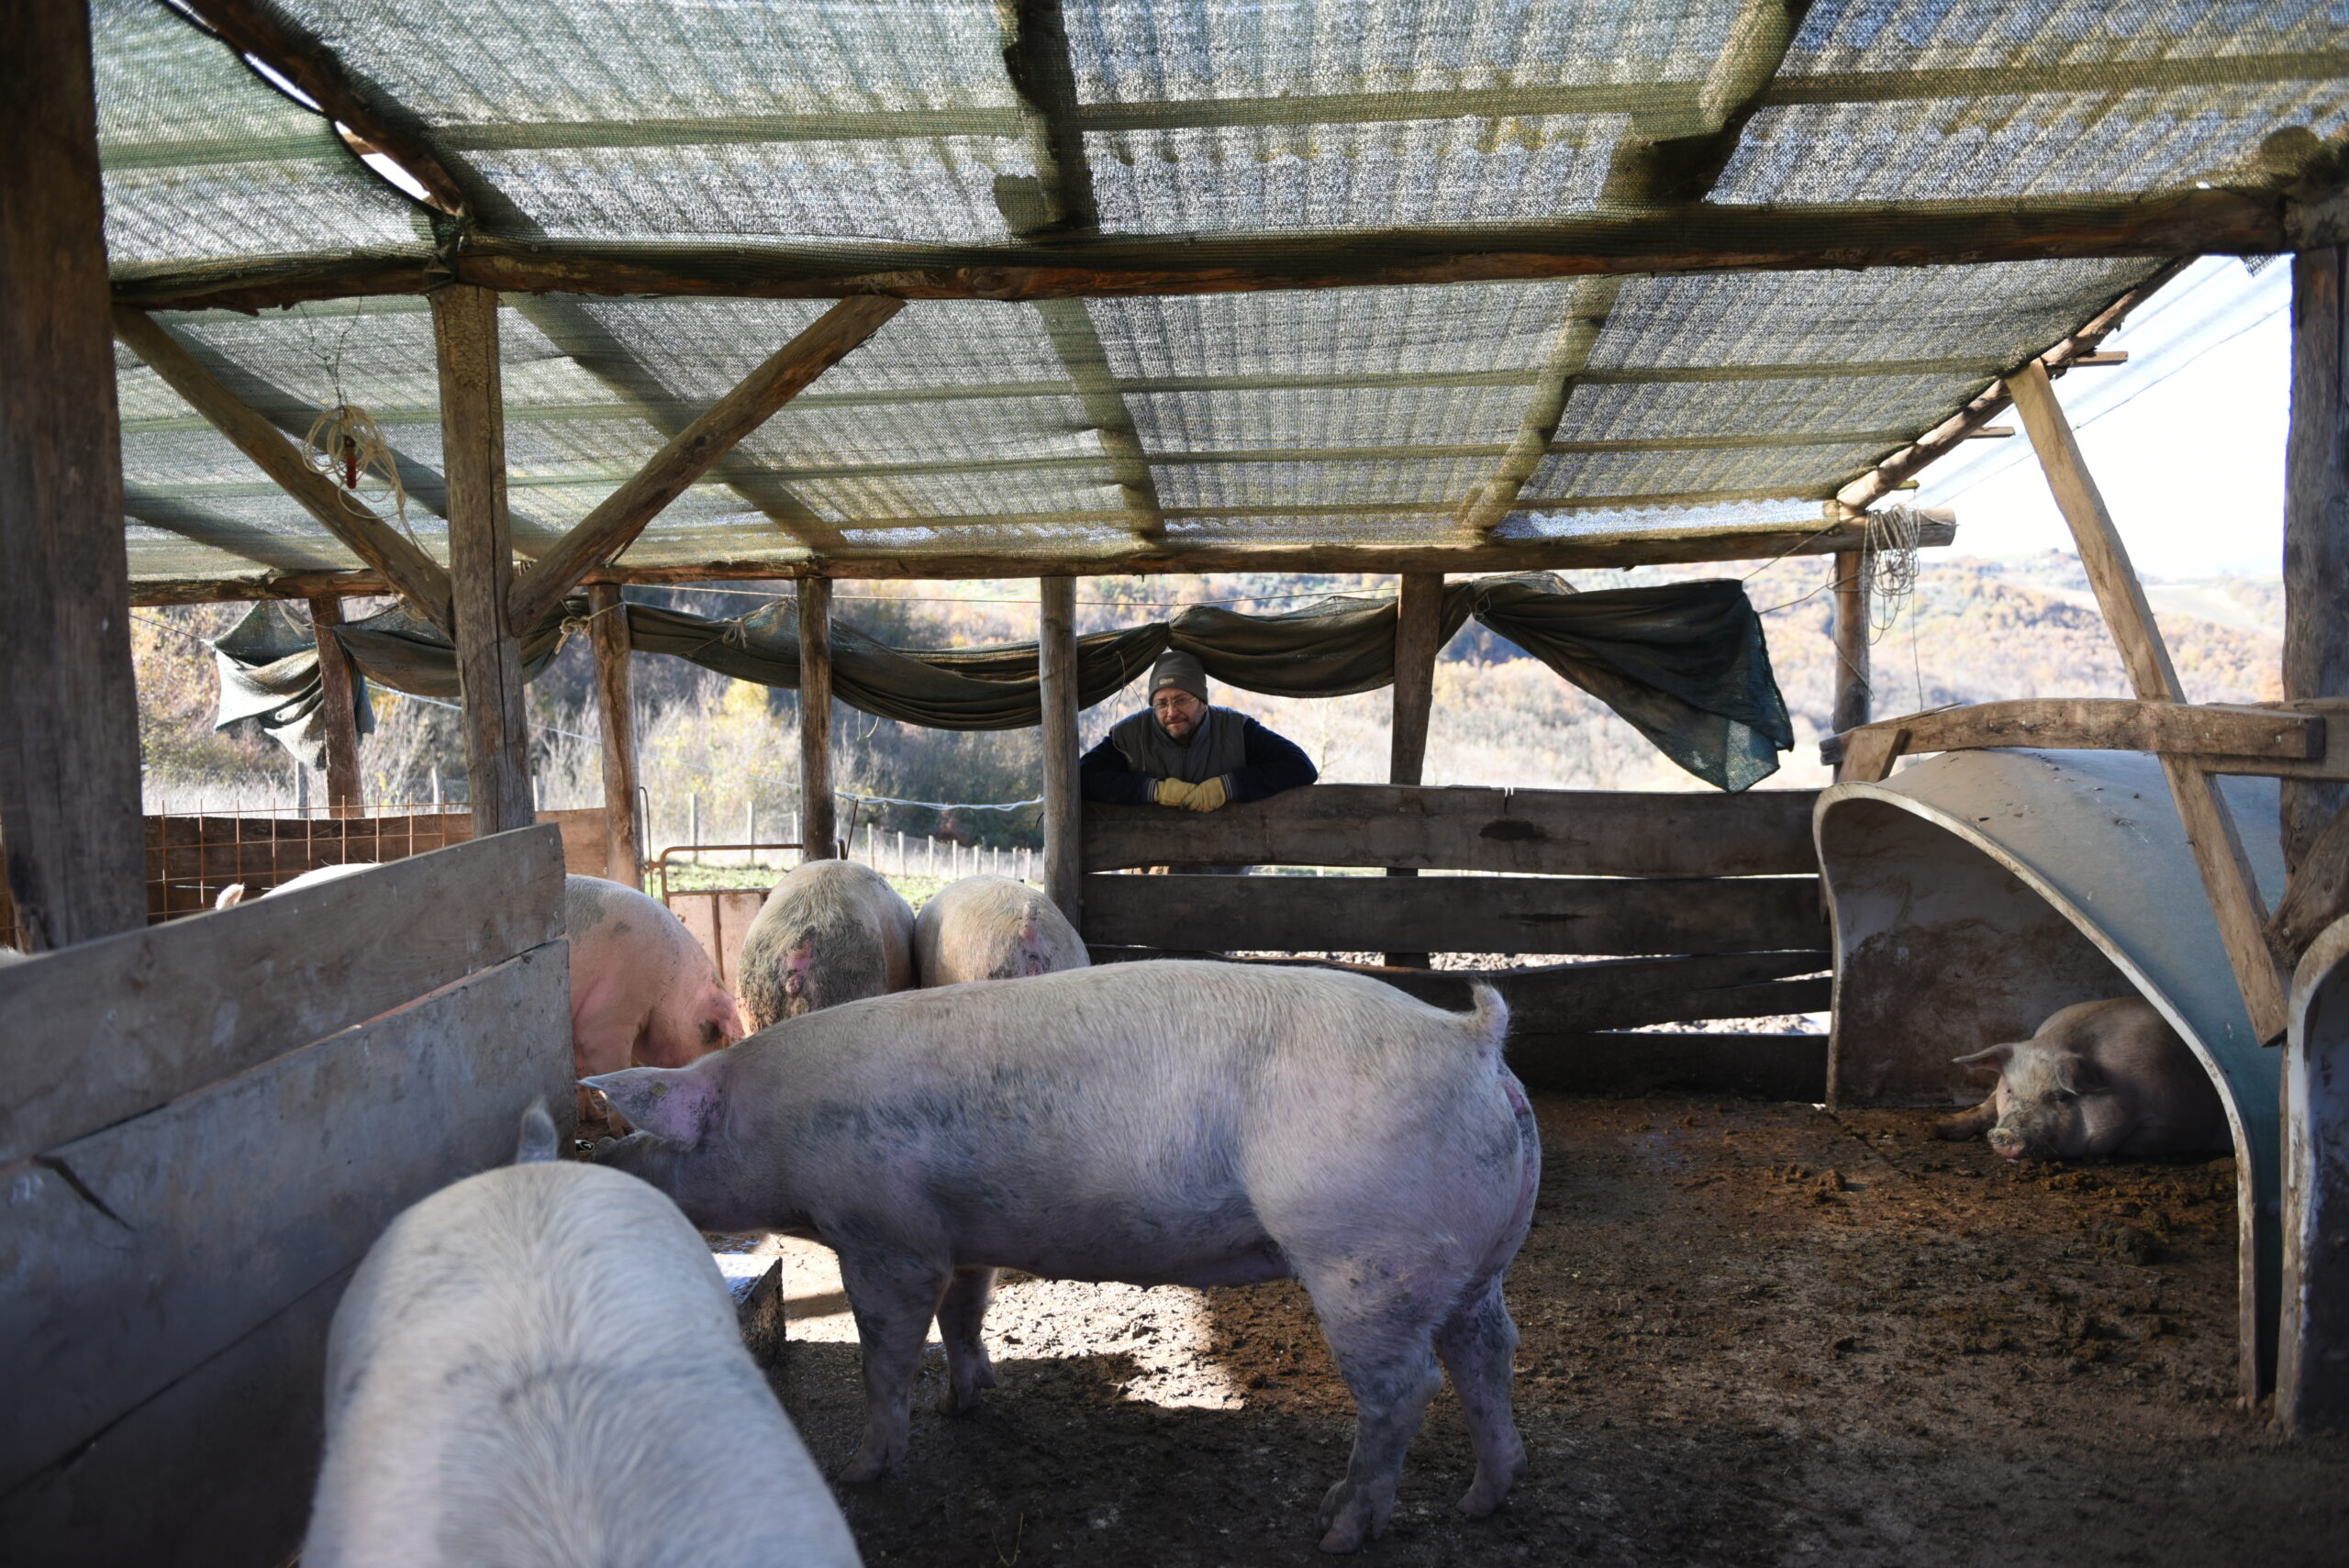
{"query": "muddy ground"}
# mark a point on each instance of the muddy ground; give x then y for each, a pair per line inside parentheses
(1752, 1333)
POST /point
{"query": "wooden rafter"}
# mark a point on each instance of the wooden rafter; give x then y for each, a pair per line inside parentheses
(1690, 238)
(1644, 546)
(1648, 171)
(391, 554)
(1995, 399)
(254, 27)
(608, 531)
(1064, 204)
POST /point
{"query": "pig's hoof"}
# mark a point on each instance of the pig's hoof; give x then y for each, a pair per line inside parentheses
(867, 1465)
(1351, 1515)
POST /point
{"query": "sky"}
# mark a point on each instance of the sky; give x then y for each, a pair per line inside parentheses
(2186, 441)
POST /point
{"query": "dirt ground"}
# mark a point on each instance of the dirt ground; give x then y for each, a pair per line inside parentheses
(1752, 1333)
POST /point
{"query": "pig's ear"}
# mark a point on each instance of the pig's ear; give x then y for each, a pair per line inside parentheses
(670, 1103)
(2078, 1075)
(797, 961)
(1994, 1060)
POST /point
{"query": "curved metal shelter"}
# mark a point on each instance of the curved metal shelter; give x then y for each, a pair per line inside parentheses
(1975, 893)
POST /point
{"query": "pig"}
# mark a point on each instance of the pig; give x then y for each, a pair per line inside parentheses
(642, 990)
(541, 1365)
(234, 894)
(991, 928)
(1161, 1123)
(830, 932)
(2099, 1078)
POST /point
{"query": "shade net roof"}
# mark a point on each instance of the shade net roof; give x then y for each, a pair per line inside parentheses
(1069, 430)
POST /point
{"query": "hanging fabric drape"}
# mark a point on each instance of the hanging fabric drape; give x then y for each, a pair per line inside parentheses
(1686, 663)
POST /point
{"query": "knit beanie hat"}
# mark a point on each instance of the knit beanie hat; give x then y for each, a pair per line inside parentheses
(1181, 670)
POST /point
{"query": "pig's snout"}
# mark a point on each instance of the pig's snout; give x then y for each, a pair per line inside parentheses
(2008, 1142)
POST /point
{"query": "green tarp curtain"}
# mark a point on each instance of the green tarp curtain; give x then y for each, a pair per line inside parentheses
(1686, 663)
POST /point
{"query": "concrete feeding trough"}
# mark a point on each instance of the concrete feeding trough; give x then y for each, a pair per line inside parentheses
(1975, 893)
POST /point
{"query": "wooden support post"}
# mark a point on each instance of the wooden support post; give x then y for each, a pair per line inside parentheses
(69, 705)
(1851, 695)
(2316, 523)
(2313, 1359)
(337, 709)
(481, 558)
(1056, 678)
(2210, 826)
(1419, 631)
(819, 827)
(615, 721)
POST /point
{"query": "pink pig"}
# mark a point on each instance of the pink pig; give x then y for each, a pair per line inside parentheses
(643, 993)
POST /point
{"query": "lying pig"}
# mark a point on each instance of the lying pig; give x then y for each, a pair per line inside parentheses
(540, 1366)
(234, 894)
(991, 928)
(830, 932)
(2106, 1077)
(1161, 1123)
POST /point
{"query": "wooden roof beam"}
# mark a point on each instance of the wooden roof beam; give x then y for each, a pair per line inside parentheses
(612, 526)
(254, 27)
(1044, 76)
(392, 555)
(1683, 166)
(1691, 238)
(1645, 547)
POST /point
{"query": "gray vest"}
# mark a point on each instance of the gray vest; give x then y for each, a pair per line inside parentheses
(1217, 746)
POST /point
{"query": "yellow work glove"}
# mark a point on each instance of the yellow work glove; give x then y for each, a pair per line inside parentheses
(1205, 797)
(1175, 792)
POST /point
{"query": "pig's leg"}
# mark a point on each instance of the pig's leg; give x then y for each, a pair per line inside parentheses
(1381, 1338)
(1479, 1345)
(1969, 1124)
(893, 1297)
(961, 1315)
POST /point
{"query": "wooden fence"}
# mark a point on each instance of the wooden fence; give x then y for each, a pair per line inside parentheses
(209, 1123)
(1718, 894)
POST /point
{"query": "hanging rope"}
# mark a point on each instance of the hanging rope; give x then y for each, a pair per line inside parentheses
(1888, 566)
(345, 441)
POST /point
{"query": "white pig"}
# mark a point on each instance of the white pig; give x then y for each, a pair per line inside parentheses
(1163, 1123)
(539, 1367)
(830, 932)
(2108, 1077)
(991, 928)
(234, 894)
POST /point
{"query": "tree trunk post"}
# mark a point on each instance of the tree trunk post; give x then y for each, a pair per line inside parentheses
(69, 703)
(819, 828)
(1851, 698)
(337, 710)
(1056, 690)
(616, 723)
(481, 558)
(2316, 523)
(1419, 632)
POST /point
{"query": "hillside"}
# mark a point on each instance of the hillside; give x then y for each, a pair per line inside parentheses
(1978, 629)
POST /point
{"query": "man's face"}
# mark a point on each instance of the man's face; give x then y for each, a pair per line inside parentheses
(1179, 711)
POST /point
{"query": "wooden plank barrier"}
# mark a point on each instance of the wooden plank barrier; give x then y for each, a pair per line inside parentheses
(1542, 831)
(214, 1119)
(1459, 914)
(1725, 886)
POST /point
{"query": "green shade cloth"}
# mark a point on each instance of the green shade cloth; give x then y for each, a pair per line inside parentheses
(1686, 663)
(268, 671)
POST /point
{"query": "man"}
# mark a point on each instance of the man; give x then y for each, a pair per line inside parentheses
(1184, 753)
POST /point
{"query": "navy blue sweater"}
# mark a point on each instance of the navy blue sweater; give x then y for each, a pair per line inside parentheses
(1273, 763)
